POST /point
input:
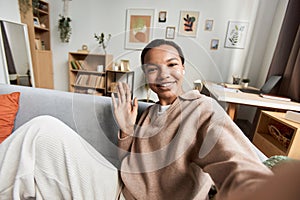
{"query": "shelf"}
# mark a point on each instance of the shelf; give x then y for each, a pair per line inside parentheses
(269, 144)
(86, 76)
(40, 42)
(38, 28)
(274, 142)
(88, 87)
(87, 72)
(38, 11)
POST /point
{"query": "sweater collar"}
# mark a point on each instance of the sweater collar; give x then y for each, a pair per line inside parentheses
(190, 95)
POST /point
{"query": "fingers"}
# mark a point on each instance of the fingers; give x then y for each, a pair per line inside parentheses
(124, 93)
(128, 93)
(121, 93)
(135, 104)
(113, 100)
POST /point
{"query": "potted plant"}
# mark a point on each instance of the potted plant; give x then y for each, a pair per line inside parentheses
(102, 40)
(245, 82)
(64, 27)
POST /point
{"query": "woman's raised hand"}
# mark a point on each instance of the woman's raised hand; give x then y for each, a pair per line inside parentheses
(125, 110)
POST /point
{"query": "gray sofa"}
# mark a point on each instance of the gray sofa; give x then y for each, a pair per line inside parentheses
(90, 116)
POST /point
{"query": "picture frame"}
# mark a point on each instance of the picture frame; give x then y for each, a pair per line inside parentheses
(36, 21)
(38, 44)
(162, 16)
(236, 34)
(214, 44)
(188, 23)
(170, 32)
(139, 28)
(208, 26)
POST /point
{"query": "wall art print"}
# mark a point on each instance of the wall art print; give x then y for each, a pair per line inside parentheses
(236, 34)
(188, 23)
(139, 25)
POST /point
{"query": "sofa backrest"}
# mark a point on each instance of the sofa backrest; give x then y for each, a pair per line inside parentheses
(90, 116)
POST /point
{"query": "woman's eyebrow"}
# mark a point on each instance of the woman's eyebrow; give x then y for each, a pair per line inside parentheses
(150, 64)
(171, 59)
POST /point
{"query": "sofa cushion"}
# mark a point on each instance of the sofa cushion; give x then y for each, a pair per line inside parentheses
(8, 109)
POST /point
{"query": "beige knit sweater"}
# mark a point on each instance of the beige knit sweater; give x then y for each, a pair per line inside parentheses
(182, 152)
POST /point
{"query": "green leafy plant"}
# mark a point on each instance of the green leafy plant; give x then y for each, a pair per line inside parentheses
(102, 40)
(65, 28)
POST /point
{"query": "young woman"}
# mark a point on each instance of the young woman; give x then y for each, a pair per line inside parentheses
(181, 145)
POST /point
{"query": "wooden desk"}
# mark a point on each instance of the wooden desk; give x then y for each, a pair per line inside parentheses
(234, 97)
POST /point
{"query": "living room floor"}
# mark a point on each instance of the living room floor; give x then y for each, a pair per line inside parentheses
(246, 127)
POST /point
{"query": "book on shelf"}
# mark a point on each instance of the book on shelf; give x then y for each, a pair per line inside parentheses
(100, 82)
(92, 80)
(82, 80)
(73, 65)
(280, 98)
(83, 64)
(78, 64)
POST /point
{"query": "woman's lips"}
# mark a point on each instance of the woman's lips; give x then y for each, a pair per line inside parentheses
(165, 85)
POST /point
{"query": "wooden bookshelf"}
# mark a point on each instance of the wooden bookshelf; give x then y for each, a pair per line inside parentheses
(85, 77)
(112, 77)
(83, 74)
(38, 23)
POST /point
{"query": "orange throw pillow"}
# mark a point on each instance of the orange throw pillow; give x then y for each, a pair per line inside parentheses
(9, 105)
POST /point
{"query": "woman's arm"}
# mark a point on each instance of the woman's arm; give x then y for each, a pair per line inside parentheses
(125, 113)
(229, 158)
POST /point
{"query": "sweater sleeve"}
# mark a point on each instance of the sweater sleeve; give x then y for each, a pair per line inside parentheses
(229, 159)
(125, 142)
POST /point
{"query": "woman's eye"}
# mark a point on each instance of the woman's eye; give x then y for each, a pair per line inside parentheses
(172, 64)
(151, 70)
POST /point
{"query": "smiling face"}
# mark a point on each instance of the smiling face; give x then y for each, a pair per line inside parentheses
(163, 69)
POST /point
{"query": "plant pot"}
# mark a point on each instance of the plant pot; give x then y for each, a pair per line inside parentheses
(244, 85)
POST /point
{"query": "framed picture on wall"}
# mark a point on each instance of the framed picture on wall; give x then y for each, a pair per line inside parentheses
(214, 44)
(208, 25)
(236, 34)
(139, 28)
(162, 16)
(170, 32)
(188, 23)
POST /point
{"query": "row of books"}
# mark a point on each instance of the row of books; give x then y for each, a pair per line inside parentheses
(90, 80)
(78, 64)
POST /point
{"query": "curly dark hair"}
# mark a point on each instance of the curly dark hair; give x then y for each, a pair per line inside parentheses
(159, 42)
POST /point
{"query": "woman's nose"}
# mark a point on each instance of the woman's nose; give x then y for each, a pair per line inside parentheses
(164, 72)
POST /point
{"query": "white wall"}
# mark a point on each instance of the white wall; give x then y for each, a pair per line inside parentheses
(96, 16)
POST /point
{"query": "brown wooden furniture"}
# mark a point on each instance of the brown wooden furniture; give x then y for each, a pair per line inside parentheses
(38, 24)
(234, 98)
(270, 145)
(112, 77)
(91, 73)
(83, 74)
